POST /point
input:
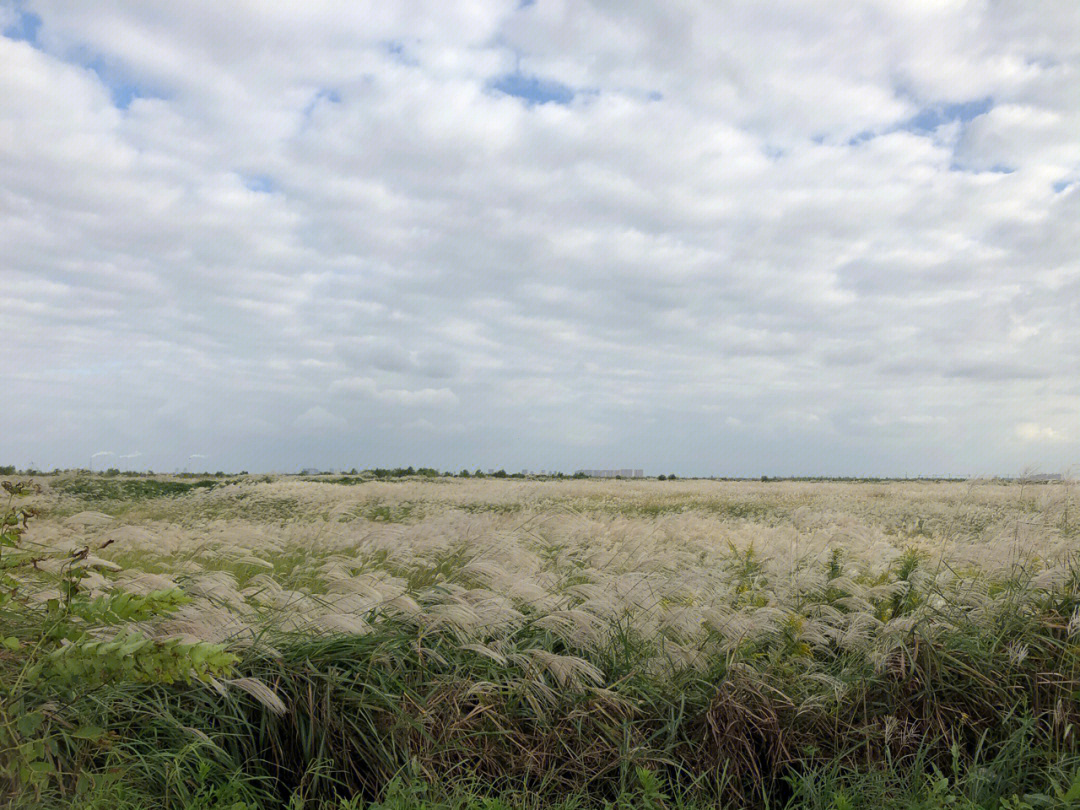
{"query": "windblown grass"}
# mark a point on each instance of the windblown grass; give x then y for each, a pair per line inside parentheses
(657, 644)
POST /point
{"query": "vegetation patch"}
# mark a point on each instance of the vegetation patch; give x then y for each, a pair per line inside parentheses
(96, 488)
(506, 508)
(567, 659)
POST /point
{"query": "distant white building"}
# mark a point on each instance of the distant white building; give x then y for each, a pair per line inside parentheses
(624, 473)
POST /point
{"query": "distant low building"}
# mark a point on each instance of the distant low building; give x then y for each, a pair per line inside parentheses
(624, 473)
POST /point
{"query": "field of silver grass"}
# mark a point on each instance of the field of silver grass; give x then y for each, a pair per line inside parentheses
(699, 568)
(557, 633)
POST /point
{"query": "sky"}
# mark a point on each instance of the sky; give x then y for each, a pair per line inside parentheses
(710, 238)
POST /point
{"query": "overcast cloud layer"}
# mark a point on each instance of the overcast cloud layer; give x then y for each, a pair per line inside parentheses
(715, 238)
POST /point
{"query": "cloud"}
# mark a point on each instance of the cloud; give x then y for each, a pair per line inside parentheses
(992, 370)
(368, 388)
(1032, 432)
(587, 230)
(318, 419)
(374, 353)
(437, 364)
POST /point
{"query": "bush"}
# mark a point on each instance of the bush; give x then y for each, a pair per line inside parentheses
(94, 488)
(70, 660)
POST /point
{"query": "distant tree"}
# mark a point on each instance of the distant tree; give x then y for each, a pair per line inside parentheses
(465, 474)
(479, 473)
(671, 477)
(764, 478)
(661, 477)
(7, 469)
(499, 474)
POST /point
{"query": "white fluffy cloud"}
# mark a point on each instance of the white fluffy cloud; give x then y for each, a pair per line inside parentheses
(1031, 432)
(367, 388)
(685, 236)
(318, 419)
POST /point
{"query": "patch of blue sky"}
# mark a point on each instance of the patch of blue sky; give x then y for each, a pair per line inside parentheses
(395, 49)
(326, 94)
(1061, 185)
(25, 28)
(533, 90)
(262, 183)
(930, 118)
(997, 168)
(861, 137)
(927, 120)
(123, 94)
(122, 87)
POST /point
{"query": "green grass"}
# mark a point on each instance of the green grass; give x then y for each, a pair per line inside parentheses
(134, 489)
(506, 508)
(952, 722)
(391, 513)
(976, 705)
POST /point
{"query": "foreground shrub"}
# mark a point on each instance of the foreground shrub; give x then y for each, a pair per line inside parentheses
(70, 660)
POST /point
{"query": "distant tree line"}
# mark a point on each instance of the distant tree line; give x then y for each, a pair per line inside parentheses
(114, 472)
(356, 475)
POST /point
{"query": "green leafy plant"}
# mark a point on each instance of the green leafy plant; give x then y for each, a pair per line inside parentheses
(61, 643)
